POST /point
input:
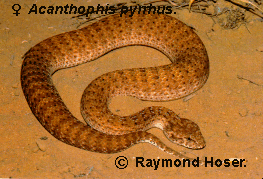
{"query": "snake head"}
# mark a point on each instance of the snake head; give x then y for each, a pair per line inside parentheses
(184, 132)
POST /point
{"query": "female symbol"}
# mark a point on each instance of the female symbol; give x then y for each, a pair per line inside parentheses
(19, 7)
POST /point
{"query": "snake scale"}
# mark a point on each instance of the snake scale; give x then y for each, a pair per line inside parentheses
(106, 132)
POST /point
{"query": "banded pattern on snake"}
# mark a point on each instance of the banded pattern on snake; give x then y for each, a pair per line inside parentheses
(105, 131)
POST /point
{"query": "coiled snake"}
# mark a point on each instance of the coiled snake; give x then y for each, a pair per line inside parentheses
(105, 131)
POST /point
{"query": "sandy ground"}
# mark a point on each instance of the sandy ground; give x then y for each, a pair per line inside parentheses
(227, 109)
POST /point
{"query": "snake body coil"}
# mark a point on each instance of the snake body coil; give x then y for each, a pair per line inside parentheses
(107, 132)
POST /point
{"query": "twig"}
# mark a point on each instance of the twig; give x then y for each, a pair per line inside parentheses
(241, 78)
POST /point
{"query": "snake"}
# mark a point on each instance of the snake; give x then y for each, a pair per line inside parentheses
(104, 131)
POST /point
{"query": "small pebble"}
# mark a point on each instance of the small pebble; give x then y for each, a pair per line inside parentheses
(211, 10)
(16, 93)
(42, 145)
(227, 133)
(15, 85)
(35, 149)
(243, 112)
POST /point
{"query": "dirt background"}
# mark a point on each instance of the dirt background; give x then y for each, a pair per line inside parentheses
(227, 109)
